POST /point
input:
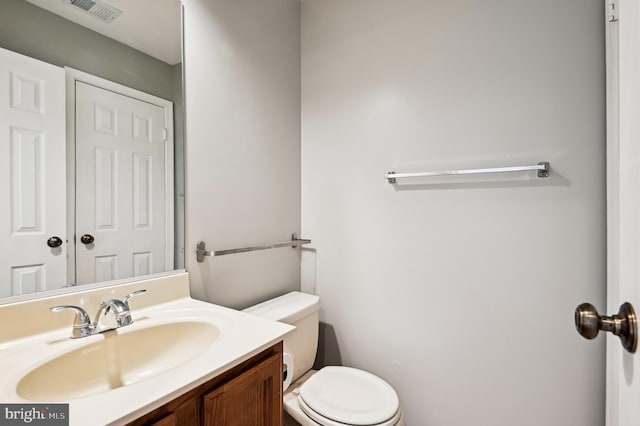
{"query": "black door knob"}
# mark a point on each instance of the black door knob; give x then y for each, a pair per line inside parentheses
(87, 239)
(54, 242)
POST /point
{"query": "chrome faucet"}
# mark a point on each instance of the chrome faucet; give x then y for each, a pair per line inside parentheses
(121, 315)
(82, 325)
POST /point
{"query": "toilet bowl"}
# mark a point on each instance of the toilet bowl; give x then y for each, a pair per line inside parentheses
(339, 396)
(331, 396)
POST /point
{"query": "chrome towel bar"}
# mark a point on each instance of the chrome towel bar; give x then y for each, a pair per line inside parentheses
(201, 251)
(542, 168)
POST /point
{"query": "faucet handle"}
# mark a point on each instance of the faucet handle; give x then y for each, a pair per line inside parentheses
(82, 325)
(130, 295)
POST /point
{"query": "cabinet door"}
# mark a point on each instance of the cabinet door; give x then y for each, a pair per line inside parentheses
(170, 420)
(183, 411)
(254, 398)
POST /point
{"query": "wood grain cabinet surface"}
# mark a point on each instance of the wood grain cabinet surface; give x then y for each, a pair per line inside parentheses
(249, 394)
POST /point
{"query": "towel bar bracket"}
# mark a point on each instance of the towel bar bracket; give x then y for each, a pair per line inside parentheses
(544, 172)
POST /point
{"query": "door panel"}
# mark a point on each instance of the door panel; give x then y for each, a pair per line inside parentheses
(32, 151)
(120, 175)
(623, 204)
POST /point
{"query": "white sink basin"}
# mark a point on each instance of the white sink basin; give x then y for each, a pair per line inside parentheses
(175, 344)
(119, 358)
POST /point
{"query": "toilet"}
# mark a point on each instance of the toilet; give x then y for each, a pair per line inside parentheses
(331, 396)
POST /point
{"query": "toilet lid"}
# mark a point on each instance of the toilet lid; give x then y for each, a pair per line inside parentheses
(350, 396)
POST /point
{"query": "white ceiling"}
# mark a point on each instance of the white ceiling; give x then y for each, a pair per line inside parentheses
(151, 26)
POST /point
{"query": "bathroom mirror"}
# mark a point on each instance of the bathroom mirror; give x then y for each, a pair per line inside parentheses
(135, 48)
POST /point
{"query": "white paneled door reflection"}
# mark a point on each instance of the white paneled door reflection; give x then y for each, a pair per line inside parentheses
(33, 173)
(120, 186)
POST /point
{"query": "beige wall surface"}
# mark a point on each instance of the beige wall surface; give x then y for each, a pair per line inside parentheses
(460, 292)
(242, 73)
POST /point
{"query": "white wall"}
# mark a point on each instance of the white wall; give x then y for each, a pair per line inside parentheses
(242, 73)
(460, 295)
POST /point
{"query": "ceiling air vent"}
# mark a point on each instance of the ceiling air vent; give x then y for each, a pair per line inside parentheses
(97, 9)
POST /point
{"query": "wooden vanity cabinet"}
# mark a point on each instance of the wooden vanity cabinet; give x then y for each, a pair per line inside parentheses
(249, 394)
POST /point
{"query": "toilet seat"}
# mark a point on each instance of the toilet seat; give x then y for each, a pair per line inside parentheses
(339, 396)
(317, 419)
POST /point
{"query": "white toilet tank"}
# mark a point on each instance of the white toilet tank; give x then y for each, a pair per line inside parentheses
(300, 310)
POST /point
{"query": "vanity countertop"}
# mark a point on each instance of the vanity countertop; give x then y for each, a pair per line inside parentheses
(227, 338)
